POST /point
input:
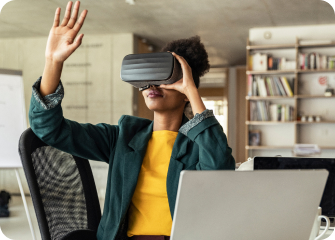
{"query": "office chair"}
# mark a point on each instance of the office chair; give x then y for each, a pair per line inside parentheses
(62, 189)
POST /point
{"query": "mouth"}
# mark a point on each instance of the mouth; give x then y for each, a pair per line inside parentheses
(154, 94)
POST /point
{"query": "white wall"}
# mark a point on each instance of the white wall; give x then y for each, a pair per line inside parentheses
(94, 92)
(288, 34)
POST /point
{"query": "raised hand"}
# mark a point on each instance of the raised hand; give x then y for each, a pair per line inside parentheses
(184, 84)
(187, 86)
(61, 41)
(61, 44)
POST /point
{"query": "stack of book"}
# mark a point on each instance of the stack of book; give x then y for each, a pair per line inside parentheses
(264, 62)
(316, 61)
(269, 86)
(265, 111)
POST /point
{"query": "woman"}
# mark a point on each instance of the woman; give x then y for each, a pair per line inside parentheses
(145, 157)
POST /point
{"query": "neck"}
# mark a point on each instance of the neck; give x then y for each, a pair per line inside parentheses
(168, 120)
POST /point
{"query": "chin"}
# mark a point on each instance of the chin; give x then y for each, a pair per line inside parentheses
(155, 107)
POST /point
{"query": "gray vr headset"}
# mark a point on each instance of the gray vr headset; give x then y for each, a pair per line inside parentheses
(146, 69)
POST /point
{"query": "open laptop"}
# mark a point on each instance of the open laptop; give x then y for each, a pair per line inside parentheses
(250, 205)
(328, 198)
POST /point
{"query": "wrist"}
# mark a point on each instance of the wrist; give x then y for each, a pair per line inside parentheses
(53, 62)
(191, 91)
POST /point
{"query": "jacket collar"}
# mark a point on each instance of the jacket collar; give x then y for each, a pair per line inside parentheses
(140, 140)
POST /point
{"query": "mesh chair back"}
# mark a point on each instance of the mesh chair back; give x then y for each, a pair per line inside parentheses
(62, 188)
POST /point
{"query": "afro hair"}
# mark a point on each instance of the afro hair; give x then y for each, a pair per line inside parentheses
(194, 52)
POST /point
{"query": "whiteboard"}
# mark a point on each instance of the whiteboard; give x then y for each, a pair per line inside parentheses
(12, 117)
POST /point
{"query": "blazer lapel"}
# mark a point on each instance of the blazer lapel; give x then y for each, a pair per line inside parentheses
(132, 164)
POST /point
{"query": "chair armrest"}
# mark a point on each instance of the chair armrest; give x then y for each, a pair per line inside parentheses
(83, 234)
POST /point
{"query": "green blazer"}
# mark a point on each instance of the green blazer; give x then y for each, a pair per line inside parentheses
(123, 147)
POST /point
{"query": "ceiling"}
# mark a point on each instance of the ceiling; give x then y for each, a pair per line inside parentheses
(222, 24)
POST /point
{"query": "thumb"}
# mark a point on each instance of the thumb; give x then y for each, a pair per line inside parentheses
(166, 86)
(77, 42)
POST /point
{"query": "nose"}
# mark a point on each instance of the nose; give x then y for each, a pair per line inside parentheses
(154, 86)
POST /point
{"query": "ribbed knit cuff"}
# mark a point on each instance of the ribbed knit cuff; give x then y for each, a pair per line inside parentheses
(49, 101)
(198, 118)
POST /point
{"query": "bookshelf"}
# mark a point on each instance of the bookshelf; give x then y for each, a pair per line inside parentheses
(279, 137)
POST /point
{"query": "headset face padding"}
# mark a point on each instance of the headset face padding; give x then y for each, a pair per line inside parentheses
(145, 69)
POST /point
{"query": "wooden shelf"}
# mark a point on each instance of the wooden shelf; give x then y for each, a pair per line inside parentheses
(327, 147)
(281, 46)
(316, 45)
(285, 122)
(314, 70)
(299, 122)
(281, 147)
(268, 147)
(267, 97)
(272, 72)
(292, 71)
(294, 130)
(313, 96)
(286, 97)
(267, 122)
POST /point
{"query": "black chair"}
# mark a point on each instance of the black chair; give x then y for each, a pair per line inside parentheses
(63, 190)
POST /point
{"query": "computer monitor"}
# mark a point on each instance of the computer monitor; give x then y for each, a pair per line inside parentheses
(328, 198)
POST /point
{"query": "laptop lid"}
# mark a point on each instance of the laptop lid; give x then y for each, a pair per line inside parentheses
(328, 198)
(262, 205)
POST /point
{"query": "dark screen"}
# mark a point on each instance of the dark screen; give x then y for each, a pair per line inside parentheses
(328, 198)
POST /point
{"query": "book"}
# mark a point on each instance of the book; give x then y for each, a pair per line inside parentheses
(254, 87)
(267, 87)
(271, 91)
(274, 112)
(261, 87)
(312, 59)
(302, 61)
(286, 86)
(259, 62)
(270, 63)
(249, 85)
(280, 86)
(274, 87)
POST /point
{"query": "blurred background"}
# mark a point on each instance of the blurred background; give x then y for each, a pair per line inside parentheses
(271, 82)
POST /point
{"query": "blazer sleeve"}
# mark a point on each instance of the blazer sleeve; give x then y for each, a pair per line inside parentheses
(206, 131)
(85, 140)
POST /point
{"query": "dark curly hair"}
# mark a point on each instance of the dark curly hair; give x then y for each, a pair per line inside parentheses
(194, 52)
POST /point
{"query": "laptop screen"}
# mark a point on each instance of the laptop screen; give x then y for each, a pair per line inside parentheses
(328, 198)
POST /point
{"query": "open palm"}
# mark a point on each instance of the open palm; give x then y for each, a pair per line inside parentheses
(61, 44)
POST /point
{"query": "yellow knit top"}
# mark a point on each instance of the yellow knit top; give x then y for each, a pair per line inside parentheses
(149, 212)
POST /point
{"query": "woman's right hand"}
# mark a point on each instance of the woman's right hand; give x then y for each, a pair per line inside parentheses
(61, 44)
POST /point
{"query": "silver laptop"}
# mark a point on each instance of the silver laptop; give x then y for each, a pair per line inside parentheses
(249, 205)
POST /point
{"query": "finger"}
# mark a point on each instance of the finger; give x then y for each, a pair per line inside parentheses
(74, 15)
(80, 21)
(67, 13)
(76, 43)
(182, 61)
(56, 19)
(166, 86)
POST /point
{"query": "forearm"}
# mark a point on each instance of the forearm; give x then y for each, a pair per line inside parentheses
(197, 104)
(51, 77)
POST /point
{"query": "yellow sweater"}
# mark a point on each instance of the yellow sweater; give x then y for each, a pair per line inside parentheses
(149, 212)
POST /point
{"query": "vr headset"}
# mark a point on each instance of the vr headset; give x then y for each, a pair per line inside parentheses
(146, 69)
